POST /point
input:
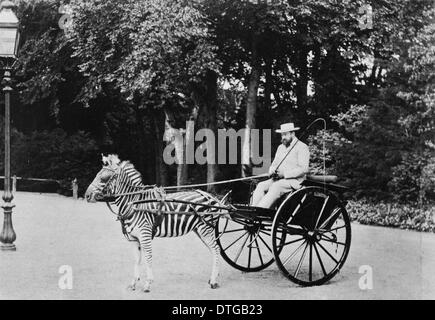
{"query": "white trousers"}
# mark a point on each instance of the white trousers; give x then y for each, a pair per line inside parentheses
(269, 191)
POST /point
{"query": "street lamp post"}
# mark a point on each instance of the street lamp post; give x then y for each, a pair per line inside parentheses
(9, 40)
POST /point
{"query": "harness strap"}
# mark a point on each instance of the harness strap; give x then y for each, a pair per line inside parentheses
(161, 197)
(119, 218)
(111, 210)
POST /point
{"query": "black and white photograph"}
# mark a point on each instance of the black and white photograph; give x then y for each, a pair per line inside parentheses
(220, 151)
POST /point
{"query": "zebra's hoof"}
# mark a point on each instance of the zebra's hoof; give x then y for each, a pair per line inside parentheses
(147, 288)
(214, 285)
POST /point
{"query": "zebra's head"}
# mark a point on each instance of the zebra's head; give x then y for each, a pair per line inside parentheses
(103, 186)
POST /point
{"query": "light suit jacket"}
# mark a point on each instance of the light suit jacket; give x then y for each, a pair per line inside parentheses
(296, 166)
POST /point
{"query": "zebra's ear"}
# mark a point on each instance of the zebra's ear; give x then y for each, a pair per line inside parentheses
(105, 160)
(114, 159)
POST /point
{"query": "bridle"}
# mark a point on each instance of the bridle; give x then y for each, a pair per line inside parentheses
(110, 197)
(104, 191)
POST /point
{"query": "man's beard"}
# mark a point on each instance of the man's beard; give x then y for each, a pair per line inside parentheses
(287, 143)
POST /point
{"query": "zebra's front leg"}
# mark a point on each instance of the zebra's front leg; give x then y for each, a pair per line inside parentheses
(146, 249)
(137, 265)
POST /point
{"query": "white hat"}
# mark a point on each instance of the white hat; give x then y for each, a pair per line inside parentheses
(287, 127)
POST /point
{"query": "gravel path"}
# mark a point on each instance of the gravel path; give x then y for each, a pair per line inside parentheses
(55, 231)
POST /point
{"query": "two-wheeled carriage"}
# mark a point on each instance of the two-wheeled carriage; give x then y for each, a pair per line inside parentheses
(308, 234)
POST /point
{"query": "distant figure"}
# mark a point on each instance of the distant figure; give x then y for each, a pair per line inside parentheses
(285, 176)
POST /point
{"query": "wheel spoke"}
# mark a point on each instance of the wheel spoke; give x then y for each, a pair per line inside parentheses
(259, 253)
(294, 253)
(236, 241)
(330, 230)
(297, 208)
(321, 212)
(301, 261)
(250, 251)
(310, 271)
(267, 233)
(327, 252)
(290, 242)
(241, 249)
(235, 230)
(334, 242)
(334, 214)
(267, 246)
(320, 259)
(226, 225)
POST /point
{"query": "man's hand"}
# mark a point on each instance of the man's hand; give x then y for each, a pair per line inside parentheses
(277, 175)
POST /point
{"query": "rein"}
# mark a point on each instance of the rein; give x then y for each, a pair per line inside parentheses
(190, 186)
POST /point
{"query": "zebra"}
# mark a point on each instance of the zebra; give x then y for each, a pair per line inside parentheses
(118, 183)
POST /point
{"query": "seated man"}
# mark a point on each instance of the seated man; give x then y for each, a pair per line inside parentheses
(288, 169)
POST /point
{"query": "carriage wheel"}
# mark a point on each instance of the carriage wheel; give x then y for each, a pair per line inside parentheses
(245, 242)
(317, 230)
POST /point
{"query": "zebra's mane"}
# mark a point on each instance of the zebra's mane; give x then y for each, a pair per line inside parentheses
(127, 165)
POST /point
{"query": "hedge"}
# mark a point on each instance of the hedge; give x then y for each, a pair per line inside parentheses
(403, 216)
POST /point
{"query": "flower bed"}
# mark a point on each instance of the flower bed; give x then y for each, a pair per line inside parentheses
(408, 216)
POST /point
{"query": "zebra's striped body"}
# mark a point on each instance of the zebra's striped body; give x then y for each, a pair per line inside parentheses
(138, 220)
(182, 221)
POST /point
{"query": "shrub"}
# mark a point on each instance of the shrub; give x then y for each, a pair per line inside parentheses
(427, 184)
(414, 178)
(55, 155)
(403, 216)
(325, 148)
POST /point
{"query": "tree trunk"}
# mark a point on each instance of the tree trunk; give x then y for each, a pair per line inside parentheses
(159, 129)
(251, 108)
(206, 100)
(302, 82)
(316, 67)
(181, 142)
(210, 121)
(176, 137)
(268, 84)
(188, 139)
(140, 125)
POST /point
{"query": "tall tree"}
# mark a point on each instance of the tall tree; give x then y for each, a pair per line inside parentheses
(150, 50)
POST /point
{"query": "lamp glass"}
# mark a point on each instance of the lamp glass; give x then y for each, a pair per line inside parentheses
(8, 40)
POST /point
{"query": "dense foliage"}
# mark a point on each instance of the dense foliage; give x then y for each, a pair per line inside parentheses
(125, 70)
(403, 216)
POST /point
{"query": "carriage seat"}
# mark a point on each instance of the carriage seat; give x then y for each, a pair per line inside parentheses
(322, 179)
(325, 181)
